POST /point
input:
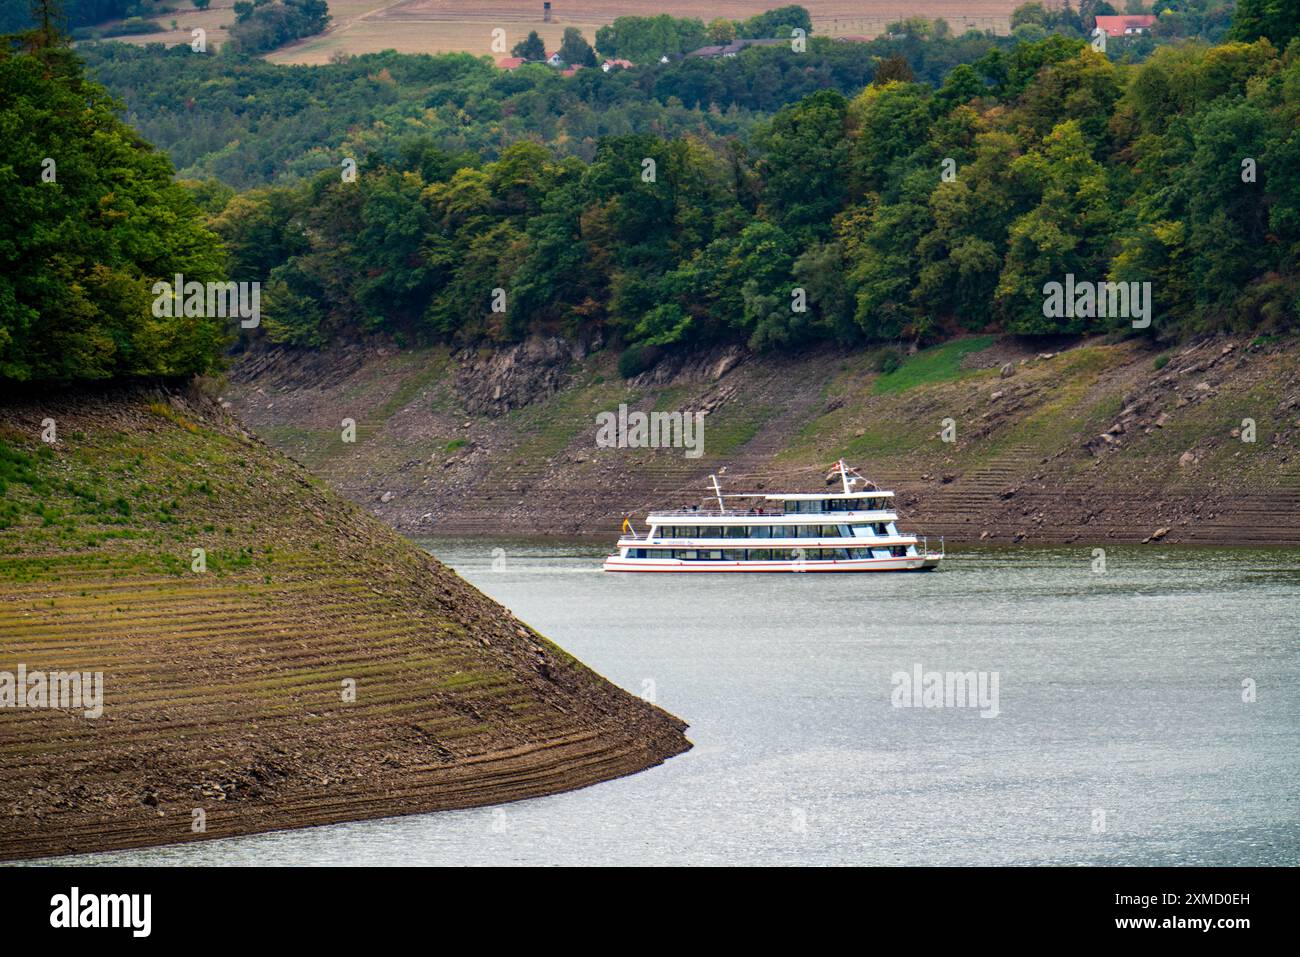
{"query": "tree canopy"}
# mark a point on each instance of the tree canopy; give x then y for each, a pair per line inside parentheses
(905, 211)
(90, 218)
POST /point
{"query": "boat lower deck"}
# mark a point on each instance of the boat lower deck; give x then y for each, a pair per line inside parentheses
(908, 563)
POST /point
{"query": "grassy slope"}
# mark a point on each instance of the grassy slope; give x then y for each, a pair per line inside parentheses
(1029, 463)
(223, 688)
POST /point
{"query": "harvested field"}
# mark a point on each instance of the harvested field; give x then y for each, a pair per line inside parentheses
(441, 26)
(451, 26)
(226, 690)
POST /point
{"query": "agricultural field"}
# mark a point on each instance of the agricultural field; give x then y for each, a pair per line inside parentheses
(447, 26)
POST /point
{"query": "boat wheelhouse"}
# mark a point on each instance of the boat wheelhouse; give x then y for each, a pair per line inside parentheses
(852, 530)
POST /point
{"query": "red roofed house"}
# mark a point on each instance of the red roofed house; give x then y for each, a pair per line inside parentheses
(511, 63)
(1126, 26)
(616, 64)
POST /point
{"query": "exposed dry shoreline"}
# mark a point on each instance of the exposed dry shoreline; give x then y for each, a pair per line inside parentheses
(1088, 443)
(224, 691)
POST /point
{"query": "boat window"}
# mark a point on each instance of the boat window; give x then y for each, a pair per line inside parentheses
(684, 553)
(733, 554)
(760, 555)
(713, 555)
(762, 531)
(830, 531)
(711, 531)
(737, 531)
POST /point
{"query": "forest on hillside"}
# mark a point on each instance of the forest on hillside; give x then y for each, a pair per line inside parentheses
(251, 123)
(940, 191)
(905, 212)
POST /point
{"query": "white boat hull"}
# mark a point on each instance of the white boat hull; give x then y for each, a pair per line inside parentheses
(907, 563)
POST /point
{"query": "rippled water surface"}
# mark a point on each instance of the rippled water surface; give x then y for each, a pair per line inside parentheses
(1122, 735)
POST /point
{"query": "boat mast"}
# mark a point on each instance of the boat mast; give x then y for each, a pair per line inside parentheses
(844, 477)
(717, 491)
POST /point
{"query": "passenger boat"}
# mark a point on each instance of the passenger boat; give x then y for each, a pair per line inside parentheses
(853, 530)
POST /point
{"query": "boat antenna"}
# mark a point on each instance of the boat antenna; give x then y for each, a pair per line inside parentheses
(717, 491)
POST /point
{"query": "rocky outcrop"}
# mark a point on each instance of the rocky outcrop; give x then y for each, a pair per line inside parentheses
(1089, 441)
(492, 383)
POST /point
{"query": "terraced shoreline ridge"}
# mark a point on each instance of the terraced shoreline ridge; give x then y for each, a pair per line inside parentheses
(272, 657)
(1078, 441)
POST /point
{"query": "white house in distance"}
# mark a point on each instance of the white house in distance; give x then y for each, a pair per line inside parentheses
(1126, 25)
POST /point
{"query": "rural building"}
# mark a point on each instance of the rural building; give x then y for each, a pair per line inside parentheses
(731, 49)
(616, 65)
(1126, 26)
(511, 63)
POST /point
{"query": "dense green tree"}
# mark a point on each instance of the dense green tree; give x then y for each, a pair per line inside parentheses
(1275, 20)
(531, 47)
(91, 220)
(777, 23)
(644, 40)
(805, 164)
(575, 50)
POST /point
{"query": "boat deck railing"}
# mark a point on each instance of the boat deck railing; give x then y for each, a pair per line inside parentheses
(756, 513)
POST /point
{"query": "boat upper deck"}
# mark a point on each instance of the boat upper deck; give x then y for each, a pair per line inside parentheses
(796, 507)
(734, 516)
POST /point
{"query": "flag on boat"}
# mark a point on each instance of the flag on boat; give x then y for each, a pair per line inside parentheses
(627, 526)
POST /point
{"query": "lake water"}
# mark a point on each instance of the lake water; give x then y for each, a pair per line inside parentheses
(1121, 735)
